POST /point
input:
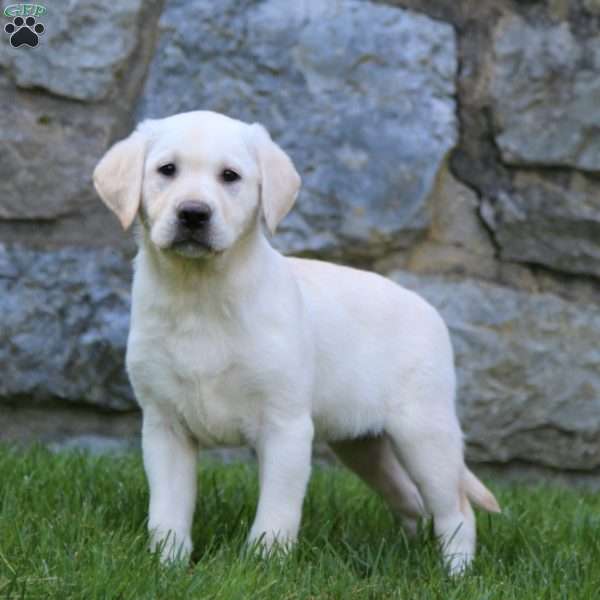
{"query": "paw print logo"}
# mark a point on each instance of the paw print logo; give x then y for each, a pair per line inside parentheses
(24, 31)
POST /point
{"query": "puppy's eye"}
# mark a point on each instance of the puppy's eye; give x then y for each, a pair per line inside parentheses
(167, 170)
(229, 176)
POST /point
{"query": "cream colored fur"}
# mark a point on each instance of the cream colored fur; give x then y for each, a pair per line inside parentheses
(233, 343)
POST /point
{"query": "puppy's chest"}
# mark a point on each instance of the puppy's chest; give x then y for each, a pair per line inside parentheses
(203, 377)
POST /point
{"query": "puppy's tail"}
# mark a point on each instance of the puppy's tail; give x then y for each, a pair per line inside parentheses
(479, 494)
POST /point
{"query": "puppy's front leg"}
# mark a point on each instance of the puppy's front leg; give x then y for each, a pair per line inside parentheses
(170, 457)
(284, 455)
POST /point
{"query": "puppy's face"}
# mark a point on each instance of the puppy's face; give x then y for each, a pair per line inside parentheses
(198, 181)
(200, 189)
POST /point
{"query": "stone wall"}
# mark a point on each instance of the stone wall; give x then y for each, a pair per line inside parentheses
(452, 145)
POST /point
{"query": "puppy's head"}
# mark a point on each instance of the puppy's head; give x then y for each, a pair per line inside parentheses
(198, 180)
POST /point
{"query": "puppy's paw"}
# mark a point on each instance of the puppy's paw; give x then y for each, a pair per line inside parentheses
(171, 546)
(267, 543)
(410, 525)
(458, 563)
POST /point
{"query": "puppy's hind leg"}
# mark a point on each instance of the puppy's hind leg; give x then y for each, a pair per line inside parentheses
(374, 461)
(428, 441)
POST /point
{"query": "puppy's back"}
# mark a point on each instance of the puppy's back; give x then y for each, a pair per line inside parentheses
(375, 341)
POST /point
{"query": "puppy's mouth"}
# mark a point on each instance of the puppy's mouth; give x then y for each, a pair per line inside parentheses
(192, 246)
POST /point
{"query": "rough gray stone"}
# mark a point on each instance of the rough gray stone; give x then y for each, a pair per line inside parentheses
(545, 91)
(65, 317)
(529, 384)
(48, 150)
(360, 95)
(432, 257)
(84, 52)
(592, 6)
(457, 241)
(456, 219)
(89, 225)
(551, 224)
(69, 426)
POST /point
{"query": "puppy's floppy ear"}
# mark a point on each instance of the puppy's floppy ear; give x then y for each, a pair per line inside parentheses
(280, 182)
(118, 177)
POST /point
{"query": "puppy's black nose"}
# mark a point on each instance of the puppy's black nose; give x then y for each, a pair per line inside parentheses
(194, 215)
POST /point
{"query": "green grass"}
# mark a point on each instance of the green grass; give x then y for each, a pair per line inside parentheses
(73, 526)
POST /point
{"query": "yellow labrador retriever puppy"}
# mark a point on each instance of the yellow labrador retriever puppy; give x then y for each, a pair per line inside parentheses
(233, 343)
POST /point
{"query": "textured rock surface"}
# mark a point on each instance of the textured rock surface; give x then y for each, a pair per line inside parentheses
(592, 6)
(85, 50)
(360, 95)
(550, 223)
(65, 320)
(545, 90)
(50, 140)
(65, 425)
(456, 220)
(68, 137)
(529, 383)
